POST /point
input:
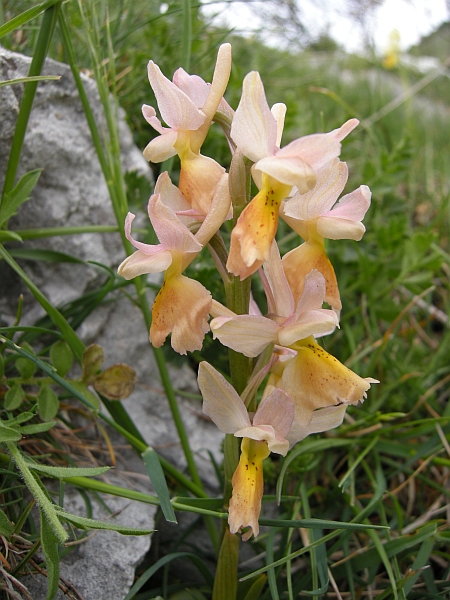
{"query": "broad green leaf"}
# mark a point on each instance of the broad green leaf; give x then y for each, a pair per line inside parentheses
(116, 382)
(9, 435)
(14, 397)
(60, 472)
(49, 543)
(156, 474)
(18, 195)
(61, 357)
(85, 523)
(6, 527)
(37, 428)
(25, 366)
(48, 403)
(22, 418)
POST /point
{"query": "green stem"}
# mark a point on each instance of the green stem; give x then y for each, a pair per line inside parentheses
(42, 501)
(40, 52)
(187, 35)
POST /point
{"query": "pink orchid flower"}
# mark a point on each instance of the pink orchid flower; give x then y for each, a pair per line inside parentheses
(182, 305)
(287, 321)
(317, 215)
(265, 433)
(188, 105)
(256, 131)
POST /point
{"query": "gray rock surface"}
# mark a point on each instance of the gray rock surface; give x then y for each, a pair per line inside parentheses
(71, 191)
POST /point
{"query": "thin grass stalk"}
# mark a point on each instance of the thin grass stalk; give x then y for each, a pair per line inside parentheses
(187, 35)
(40, 52)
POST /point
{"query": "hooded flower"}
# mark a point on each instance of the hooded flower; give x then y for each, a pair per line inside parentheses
(188, 105)
(317, 215)
(264, 434)
(256, 131)
(182, 305)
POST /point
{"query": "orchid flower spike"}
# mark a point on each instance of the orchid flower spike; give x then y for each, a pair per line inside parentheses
(317, 215)
(264, 434)
(256, 130)
(182, 305)
(188, 105)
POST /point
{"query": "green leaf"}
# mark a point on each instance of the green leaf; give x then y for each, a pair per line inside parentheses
(14, 397)
(48, 403)
(6, 527)
(155, 472)
(85, 523)
(9, 236)
(25, 366)
(81, 387)
(24, 17)
(225, 582)
(61, 472)
(28, 79)
(52, 256)
(61, 357)
(2, 366)
(9, 435)
(257, 587)
(37, 428)
(18, 195)
(49, 543)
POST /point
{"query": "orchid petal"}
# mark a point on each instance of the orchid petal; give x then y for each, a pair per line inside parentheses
(221, 401)
(276, 410)
(151, 118)
(344, 130)
(340, 229)
(323, 419)
(254, 128)
(331, 181)
(279, 112)
(199, 178)
(162, 147)
(220, 207)
(192, 85)
(170, 194)
(176, 108)
(315, 322)
(316, 150)
(245, 333)
(290, 170)
(353, 206)
(279, 287)
(141, 263)
(181, 308)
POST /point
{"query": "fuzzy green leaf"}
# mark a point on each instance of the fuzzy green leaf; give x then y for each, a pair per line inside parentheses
(85, 523)
(61, 357)
(6, 527)
(48, 403)
(49, 543)
(14, 397)
(60, 472)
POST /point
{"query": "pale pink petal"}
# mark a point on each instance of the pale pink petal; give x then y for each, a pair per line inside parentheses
(276, 410)
(330, 183)
(221, 402)
(170, 194)
(323, 419)
(161, 148)
(219, 310)
(353, 206)
(316, 150)
(265, 433)
(290, 170)
(282, 296)
(150, 116)
(345, 129)
(140, 263)
(170, 230)
(340, 229)
(314, 322)
(192, 85)
(313, 295)
(220, 206)
(279, 112)
(254, 128)
(176, 108)
(219, 82)
(245, 333)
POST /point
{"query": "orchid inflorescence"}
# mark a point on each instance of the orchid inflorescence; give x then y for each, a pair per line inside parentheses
(307, 390)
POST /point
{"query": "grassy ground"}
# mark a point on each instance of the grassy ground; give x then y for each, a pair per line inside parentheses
(388, 464)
